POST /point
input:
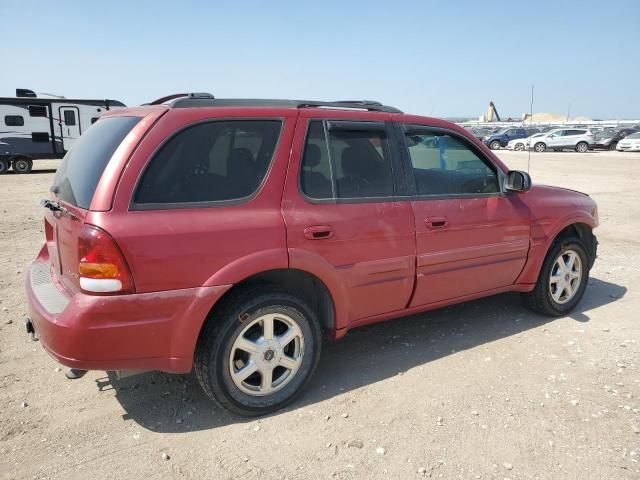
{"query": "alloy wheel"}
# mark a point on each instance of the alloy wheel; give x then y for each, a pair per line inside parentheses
(566, 275)
(267, 354)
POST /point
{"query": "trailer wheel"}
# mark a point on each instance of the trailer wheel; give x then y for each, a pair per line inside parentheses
(22, 165)
(4, 165)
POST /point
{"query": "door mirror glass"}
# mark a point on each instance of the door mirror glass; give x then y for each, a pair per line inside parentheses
(517, 181)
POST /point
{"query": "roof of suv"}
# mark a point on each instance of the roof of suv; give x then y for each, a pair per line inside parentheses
(191, 100)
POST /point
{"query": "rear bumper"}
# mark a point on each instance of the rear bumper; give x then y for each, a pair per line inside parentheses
(146, 331)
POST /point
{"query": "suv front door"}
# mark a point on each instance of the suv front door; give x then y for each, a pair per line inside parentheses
(345, 221)
(470, 237)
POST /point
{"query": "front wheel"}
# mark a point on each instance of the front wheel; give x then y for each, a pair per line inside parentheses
(582, 147)
(613, 145)
(562, 280)
(519, 147)
(495, 145)
(539, 147)
(258, 352)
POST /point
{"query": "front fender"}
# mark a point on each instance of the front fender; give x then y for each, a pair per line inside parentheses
(543, 233)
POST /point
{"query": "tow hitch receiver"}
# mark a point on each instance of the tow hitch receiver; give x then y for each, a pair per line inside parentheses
(31, 330)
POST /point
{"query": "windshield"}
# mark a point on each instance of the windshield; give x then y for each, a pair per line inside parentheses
(83, 165)
(634, 135)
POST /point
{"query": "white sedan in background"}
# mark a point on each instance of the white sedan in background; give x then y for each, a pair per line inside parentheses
(520, 144)
(631, 143)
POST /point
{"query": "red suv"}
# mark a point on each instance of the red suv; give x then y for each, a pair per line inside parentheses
(230, 235)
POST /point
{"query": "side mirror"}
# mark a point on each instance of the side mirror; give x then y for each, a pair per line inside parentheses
(517, 181)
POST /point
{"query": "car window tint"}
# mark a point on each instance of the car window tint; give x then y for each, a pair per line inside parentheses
(208, 162)
(80, 171)
(443, 165)
(315, 174)
(361, 163)
(341, 163)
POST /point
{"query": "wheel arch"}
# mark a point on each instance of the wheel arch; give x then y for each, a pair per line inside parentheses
(581, 227)
(297, 282)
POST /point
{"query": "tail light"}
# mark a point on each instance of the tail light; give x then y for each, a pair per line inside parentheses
(102, 266)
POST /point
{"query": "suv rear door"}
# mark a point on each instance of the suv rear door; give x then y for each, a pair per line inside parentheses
(347, 220)
(470, 237)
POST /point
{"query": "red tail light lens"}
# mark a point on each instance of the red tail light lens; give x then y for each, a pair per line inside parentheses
(102, 267)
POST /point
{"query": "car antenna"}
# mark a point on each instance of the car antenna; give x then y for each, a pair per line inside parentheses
(530, 123)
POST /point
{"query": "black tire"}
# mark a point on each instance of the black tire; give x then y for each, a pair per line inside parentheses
(22, 165)
(519, 147)
(540, 299)
(4, 166)
(495, 145)
(613, 145)
(582, 147)
(540, 147)
(212, 357)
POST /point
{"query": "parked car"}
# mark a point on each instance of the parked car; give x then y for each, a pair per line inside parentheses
(520, 144)
(481, 132)
(577, 139)
(503, 137)
(232, 236)
(631, 143)
(608, 139)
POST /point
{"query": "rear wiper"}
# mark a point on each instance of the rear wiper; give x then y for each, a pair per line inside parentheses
(56, 207)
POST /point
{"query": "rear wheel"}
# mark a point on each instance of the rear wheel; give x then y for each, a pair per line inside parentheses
(495, 145)
(519, 147)
(22, 165)
(539, 147)
(258, 352)
(562, 280)
(613, 145)
(4, 165)
(582, 147)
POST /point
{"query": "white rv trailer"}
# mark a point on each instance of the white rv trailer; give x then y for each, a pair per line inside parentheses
(33, 127)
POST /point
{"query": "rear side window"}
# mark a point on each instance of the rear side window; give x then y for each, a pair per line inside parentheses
(210, 162)
(83, 165)
(14, 120)
(346, 160)
(443, 165)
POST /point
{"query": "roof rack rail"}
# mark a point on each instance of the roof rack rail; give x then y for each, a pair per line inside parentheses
(207, 100)
(179, 95)
(370, 105)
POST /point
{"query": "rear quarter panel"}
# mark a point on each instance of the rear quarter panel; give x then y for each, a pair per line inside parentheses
(188, 247)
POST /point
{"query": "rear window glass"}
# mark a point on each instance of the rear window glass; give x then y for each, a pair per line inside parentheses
(83, 165)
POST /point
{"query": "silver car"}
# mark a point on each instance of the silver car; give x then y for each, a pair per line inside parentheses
(578, 139)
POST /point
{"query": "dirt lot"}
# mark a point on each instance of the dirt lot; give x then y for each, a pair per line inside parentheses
(480, 390)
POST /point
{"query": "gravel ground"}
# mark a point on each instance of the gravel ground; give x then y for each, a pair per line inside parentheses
(480, 390)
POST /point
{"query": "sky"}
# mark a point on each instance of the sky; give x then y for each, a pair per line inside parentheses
(437, 58)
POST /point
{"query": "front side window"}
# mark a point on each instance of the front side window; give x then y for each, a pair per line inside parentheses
(444, 165)
(346, 160)
(14, 120)
(210, 162)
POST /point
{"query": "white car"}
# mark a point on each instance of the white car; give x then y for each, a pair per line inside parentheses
(631, 143)
(520, 144)
(578, 139)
